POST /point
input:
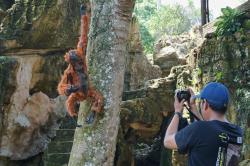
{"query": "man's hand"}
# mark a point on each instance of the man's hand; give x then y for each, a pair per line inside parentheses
(191, 102)
(169, 140)
(178, 106)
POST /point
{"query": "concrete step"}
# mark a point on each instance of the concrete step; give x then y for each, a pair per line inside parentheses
(60, 147)
(64, 135)
(57, 159)
(68, 123)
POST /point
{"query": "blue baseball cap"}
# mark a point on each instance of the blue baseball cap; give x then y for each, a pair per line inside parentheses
(216, 94)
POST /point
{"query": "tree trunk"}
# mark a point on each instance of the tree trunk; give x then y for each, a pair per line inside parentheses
(95, 144)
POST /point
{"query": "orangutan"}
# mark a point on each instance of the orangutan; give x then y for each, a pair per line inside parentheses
(75, 83)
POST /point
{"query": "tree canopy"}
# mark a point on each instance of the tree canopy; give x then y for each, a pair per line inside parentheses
(164, 20)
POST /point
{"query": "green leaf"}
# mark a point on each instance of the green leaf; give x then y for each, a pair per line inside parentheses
(230, 22)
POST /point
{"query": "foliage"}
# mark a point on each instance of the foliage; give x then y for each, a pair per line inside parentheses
(230, 22)
(219, 76)
(169, 20)
(166, 20)
(144, 10)
(233, 23)
(147, 39)
(199, 71)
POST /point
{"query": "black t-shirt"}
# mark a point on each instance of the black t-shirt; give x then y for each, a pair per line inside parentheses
(201, 141)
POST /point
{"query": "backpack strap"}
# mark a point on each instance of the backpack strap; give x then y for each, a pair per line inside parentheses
(222, 152)
(224, 141)
(235, 140)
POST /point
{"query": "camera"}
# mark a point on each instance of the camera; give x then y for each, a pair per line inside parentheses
(183, 94)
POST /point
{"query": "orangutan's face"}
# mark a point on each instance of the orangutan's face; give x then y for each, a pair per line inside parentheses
(68, 55)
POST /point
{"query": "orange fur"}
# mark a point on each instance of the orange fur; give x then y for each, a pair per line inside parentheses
(95, 96)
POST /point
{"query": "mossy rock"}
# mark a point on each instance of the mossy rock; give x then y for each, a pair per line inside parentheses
(41, 24)
(49, 74)
(8, 68)
(246, 25)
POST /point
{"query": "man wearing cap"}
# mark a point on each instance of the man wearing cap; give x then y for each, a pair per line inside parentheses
(213, 141)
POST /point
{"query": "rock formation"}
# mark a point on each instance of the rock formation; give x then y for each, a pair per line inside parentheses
(138, 67)
(171, 51)
(29, 118)
(141, 119)
(39, 23)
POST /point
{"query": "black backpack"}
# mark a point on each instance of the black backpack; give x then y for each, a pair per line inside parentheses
(229, 150)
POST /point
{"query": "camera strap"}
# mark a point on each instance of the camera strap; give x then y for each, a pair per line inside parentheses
(191, 113)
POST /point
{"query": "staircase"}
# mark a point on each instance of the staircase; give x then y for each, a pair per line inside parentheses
(58, 151)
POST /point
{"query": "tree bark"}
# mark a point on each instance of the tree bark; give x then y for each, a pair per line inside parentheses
(95, 144)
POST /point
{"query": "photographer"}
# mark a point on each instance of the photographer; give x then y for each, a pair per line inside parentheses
(211, 141)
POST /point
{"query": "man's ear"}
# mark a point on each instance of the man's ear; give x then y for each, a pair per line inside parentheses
(206, 105)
